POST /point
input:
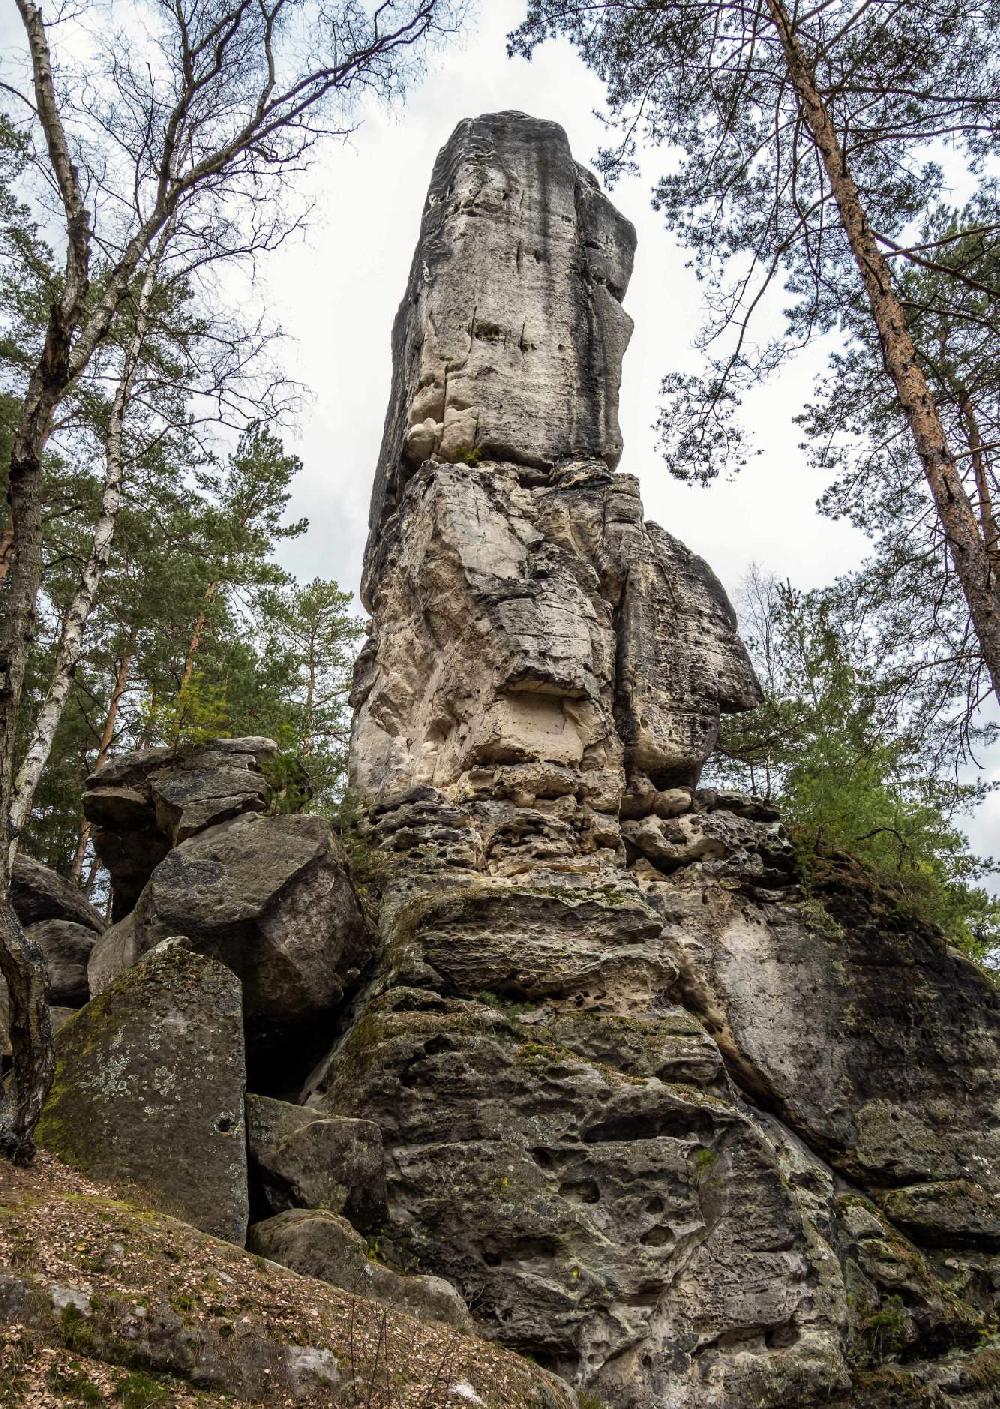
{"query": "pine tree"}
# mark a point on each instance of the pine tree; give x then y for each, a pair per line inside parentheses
(842, 758)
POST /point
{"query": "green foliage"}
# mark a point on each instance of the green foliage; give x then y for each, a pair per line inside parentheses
(197, 714)
(76, 1330)
(311, 630)
(141, 1391)
(288, 782)
(706, 86)
(849, 772)
(194, 558)
(587, 1399)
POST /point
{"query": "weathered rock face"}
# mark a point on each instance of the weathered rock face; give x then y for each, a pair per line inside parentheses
(539, 626)
(143, 804)
(523, 614)
(509, 340)
(682, 1132)
(149, 1089)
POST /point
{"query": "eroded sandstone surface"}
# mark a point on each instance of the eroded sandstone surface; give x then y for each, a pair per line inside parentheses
(680, 1131)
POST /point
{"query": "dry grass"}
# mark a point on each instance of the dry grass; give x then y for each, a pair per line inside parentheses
(140, 1268)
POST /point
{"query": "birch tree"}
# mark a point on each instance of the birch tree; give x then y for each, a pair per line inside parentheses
(74, 622)
(204, 126)
(805, 138)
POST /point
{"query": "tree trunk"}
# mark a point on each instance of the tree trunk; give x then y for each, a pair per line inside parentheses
(6, 549)
(23, 969)
(20, 962)
(310, 698)
(987, 517)
(104, 744)
(70, 646)
(955, 511)
(199, 627)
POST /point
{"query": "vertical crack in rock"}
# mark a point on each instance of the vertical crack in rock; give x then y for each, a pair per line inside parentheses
(579, 946)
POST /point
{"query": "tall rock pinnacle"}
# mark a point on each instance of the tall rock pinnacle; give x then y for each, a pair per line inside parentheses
(509, 341)
(674, 1127)
(523, 615)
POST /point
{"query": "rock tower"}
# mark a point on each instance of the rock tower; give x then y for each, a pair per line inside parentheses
(679, 1132)
(588, 1061)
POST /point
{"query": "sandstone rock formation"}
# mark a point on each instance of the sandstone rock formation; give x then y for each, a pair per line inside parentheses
(143, 804)
(684, 1133)
(38, 894)
(509, 339)
(149, 1089)
(269, 896)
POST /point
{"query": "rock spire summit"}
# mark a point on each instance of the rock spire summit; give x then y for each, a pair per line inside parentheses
(524, 616)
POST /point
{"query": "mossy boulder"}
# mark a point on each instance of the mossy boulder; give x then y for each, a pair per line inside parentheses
(320, 1244)
(149, 1088)
(303, 1159)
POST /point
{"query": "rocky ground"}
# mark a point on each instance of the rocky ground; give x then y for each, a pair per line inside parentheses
(107, 1302)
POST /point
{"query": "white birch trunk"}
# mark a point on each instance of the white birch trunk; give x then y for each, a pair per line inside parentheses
(70, 645)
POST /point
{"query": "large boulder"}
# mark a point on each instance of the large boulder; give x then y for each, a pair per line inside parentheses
(59, 919)
(318, 1243)
(305, 1160)
(270, 898)
(66, 948)
(39, 893)
(142, 804)
(149, 1085)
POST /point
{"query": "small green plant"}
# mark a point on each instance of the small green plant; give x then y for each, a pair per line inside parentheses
(288, 781)
(705, 1160)
(194, 716)
(819, 919)
(70, 1380)
(884, 1331)
(471, 455)
(141, 1391)
(504, 1005)
(76, 1330)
